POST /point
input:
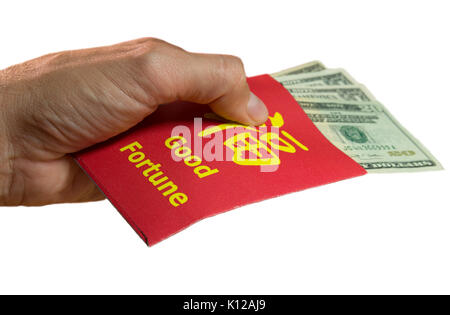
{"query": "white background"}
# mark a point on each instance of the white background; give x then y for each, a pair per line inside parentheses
(374, 234)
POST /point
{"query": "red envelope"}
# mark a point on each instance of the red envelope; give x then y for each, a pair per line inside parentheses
(162, 179)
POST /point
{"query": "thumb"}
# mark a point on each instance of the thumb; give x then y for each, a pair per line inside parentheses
(216, 80)
(229, 92)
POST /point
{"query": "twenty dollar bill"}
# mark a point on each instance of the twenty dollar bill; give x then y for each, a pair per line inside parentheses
(370, 135)
(350, 117)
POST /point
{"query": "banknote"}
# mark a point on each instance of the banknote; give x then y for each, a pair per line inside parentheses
(322, 78)
(337, 93)
(312, 66)
(351, 118)
(370, 135)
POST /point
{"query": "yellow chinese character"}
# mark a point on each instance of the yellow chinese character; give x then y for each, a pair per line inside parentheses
(264, 149)
(245, 142)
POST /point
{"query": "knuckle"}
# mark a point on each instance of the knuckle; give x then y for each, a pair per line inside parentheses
(151, 52)
(234, 67)
(145, 45)
(158, 68)
(148, 45)
(151, 42)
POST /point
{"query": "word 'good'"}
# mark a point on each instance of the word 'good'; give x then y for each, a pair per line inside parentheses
(176, 144)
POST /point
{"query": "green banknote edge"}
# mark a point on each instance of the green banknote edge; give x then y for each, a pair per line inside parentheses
(396, 124)
(313, 66)
(311, 79)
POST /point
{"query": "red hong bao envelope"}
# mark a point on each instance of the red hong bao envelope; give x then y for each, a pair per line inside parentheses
(182, 164)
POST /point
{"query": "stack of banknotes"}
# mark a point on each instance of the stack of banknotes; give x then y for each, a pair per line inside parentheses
(352, 119)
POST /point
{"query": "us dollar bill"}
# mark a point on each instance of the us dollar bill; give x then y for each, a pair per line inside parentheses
(330, 93)
(333, 77)
(370, 135)
(312, 66)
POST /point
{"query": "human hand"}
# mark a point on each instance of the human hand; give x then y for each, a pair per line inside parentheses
(64, 102)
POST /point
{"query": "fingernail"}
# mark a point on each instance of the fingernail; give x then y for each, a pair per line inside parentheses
(256, 109)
